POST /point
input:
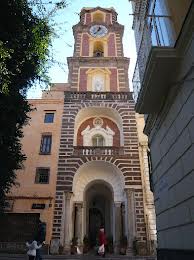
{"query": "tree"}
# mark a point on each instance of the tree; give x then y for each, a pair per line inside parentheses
(24, 58)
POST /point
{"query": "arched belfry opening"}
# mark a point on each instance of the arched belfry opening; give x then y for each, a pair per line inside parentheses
(98, 49)
(98, 17)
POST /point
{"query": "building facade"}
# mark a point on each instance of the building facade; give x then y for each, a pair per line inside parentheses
(88, 162)
(163, 91)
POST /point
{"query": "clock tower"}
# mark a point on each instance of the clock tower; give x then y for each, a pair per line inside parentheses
(99, 179)
(98, 63)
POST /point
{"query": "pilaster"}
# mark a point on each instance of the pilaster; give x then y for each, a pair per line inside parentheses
(118, 227)
(131, 229)
(79, 223)
(67, 238)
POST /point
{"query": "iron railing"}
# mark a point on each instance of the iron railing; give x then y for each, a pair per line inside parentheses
(157, 31)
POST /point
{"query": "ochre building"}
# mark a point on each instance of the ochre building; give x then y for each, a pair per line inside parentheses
(86, 153)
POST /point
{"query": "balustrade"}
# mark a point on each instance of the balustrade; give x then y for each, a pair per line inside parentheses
(104, 150)
(89, 95)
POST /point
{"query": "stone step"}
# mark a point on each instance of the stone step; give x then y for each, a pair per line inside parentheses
(76, 257)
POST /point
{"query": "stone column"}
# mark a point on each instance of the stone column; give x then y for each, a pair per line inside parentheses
(79, 223)
(117, 226)
(67, 239)
(131, 220)
(123, 219)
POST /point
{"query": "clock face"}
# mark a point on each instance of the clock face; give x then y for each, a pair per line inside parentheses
(98, 31)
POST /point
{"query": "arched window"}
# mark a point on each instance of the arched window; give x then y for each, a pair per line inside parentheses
(98, 140)
(98, 17)
(98, 49)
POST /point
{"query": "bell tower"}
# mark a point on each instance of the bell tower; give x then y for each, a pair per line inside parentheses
(99, 178)
(98, 63)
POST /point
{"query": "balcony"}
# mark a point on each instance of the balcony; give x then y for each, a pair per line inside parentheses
(157, 62)
(98, 151)
(89, 95)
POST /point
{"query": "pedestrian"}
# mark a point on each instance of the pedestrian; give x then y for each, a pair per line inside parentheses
(40, 238)
(32, 247)
(102, 242)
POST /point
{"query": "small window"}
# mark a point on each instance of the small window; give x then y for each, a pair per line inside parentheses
(42, 175)
(46, 142)
(98, 140)
(49, 118)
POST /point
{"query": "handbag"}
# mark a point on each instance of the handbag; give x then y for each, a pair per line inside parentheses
(101, 249)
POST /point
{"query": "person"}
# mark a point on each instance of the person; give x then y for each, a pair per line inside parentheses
(32, 247)
(40, 238)
(102, 242)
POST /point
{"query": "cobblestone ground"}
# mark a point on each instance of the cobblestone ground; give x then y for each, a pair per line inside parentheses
(85, 257)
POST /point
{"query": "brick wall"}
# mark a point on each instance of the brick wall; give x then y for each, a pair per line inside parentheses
(114, 64)
(83, 80)
(77, 45)
(119, 45)
(113, 79)
(88, 18)
(111, 45)
(128, 163)
(85, 44)
(108, 19)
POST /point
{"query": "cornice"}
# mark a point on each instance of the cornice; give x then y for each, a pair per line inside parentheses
(97, 59)
(45, 101)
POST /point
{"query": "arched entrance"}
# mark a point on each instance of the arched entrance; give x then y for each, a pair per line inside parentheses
(98, 192)
(99, 209)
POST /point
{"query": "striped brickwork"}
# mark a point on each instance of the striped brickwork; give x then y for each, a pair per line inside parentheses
(128, 163)
(119, 45)
(77, 45)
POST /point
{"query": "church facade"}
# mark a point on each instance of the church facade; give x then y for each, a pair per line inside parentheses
(88, 161)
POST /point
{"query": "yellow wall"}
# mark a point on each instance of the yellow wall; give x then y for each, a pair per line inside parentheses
(26, 192)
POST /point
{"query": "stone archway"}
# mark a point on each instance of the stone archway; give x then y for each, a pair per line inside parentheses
(98, 187)
(98, 171)
(98, 199)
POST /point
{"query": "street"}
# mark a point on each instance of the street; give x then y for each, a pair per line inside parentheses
(65, 257)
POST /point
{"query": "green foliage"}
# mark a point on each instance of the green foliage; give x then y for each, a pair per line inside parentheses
(24, 58)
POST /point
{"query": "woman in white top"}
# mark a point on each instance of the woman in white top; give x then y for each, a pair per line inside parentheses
(32, 249)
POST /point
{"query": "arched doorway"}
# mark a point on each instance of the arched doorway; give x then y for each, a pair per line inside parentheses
(99, 209)
(98, 189)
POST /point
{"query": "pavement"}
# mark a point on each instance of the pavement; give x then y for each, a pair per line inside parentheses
(76, 257)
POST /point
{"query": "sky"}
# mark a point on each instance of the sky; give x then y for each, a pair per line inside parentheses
(63, 45)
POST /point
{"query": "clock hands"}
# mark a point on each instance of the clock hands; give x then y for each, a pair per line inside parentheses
(98, 31)
(99, 28)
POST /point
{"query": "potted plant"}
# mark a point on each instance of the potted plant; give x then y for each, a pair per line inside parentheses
(86, 244)
(135, 246)
(123, 245)
(74, 246)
